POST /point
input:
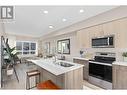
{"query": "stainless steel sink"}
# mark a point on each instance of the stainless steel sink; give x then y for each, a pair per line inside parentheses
(63, 64)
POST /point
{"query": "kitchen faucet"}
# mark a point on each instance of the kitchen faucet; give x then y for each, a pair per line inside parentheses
(55, 58)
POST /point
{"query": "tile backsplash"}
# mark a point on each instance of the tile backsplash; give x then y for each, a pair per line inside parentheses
(90, 52)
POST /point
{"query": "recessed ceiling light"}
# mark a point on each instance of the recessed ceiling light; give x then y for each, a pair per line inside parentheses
(81, 11)
(45, 12)
(64, 19)
(50, 26)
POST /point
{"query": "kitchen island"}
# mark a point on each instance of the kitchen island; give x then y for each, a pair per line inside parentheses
(67, 75)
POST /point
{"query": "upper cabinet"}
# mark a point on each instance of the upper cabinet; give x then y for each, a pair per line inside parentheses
(83, 38)
(121, 33)
(117, 28)
(109, 28)
(96, 31)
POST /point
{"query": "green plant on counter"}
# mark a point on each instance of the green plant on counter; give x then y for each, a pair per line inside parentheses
(124, 54)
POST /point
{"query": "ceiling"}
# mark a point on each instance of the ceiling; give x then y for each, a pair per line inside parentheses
(32, 21)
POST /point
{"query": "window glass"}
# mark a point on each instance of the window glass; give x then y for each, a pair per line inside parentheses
(32, 52)
(59, 47)
(25, 46)
(25, 52)
(33, 46)
(18, 45)
(63, 46)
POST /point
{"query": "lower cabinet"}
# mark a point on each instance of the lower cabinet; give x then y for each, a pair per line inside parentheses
(119, 77)
(85, 68)
(69, 80)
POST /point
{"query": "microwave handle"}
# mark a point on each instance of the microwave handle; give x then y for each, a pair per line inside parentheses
(108, 41)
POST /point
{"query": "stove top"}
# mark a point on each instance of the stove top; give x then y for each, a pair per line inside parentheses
(108, 58)
(102, 61)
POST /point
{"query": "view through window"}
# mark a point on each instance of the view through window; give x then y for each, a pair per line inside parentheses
(26, 47)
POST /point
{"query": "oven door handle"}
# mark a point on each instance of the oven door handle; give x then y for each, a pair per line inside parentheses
(101, 63)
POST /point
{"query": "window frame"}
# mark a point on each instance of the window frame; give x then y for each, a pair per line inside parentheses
(29, 51)
(62, 41)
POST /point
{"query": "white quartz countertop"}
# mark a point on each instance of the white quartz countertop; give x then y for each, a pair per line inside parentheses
(53, 68)
(120, 63)
(81, 58)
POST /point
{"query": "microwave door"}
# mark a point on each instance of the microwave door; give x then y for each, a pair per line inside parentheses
(102, 42)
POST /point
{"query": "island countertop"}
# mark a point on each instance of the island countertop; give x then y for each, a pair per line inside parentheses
(48, 65)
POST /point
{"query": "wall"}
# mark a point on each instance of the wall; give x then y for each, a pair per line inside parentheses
(1, 34)
(14, 38)
(112, 15)
(73, 44)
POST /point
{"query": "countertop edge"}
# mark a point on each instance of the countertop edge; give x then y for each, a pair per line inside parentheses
(59, 73)
(121, 63)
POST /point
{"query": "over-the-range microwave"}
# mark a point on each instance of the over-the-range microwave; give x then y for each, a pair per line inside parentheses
(103, 42)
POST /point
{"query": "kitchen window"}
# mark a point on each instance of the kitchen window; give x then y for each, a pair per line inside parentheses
(26, 47)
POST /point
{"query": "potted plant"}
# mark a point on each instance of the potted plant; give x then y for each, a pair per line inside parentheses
(124, 56)
(10, 55)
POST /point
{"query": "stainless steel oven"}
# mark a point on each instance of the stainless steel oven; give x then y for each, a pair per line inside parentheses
(100, 69)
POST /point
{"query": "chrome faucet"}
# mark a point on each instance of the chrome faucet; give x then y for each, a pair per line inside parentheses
(54, 61)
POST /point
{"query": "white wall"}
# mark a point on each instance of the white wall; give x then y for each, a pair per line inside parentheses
(73, 44)
(1, 33)
(13, 38)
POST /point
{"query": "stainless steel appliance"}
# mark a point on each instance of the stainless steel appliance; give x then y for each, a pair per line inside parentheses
(106, 41)
(100, 69)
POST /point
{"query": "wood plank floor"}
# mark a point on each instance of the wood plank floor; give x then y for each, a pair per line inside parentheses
(10, 82)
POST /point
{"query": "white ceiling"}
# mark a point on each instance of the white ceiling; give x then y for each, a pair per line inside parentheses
(31, 21)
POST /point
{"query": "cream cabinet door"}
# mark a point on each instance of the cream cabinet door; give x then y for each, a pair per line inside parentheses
(94, 32)
(121, 33)
(85, 36)
(110, 28)
(97, 31)
(119, 77)
(83, 39)
(119, 30)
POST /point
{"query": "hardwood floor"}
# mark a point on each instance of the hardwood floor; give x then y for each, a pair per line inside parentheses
(89, 86)
(12, 83)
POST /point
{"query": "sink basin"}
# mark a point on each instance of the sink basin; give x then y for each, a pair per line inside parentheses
(63, 64)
